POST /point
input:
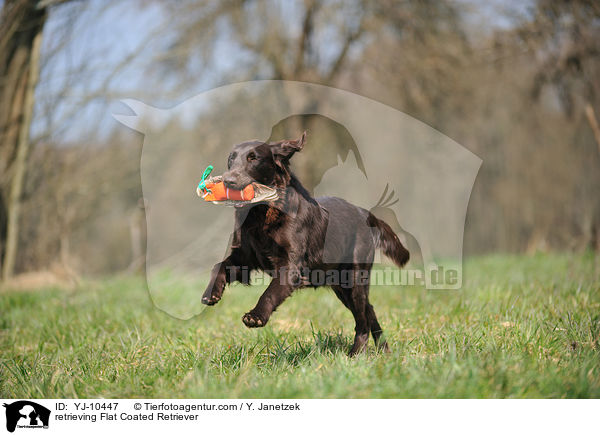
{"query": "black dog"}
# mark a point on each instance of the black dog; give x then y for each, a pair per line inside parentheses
(301, 241)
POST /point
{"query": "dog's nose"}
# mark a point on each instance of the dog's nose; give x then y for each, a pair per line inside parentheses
(229, 180)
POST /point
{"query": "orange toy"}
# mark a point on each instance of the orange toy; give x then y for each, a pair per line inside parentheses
(218, 192)
(213, 190)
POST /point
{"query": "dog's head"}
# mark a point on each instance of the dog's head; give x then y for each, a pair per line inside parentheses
(265, 163)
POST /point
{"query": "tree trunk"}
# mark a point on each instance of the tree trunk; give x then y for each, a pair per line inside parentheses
(591, 118)
(20, 42)
(590, 114)
(137, 230)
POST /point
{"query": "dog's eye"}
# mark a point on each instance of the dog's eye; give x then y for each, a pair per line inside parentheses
(251, 156)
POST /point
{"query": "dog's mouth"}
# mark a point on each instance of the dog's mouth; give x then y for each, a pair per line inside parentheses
(229, 197)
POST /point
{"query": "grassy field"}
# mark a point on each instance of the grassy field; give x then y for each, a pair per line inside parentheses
(521, 327)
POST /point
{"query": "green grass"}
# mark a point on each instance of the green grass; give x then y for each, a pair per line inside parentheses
(521, 327)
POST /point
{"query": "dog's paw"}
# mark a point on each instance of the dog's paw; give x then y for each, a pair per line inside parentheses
(251, 320)
(211, 300)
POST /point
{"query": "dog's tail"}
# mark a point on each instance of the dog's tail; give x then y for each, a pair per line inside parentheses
(388, 241)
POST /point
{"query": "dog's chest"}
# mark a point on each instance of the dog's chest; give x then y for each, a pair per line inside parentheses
(266, 238)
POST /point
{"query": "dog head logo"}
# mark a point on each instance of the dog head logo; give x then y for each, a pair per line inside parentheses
(26, 414)
(375, 156)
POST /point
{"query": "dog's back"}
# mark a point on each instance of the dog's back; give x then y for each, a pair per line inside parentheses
(354, 233)
(348, 238)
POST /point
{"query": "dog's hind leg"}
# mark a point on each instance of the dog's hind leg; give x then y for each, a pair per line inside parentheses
(376, 330)
(358, 298)
(355, 299)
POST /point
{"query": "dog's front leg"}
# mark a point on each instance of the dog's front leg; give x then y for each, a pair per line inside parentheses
(277, 291)
(222, 273)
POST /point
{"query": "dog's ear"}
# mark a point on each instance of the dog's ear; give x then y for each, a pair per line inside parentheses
(285, 149)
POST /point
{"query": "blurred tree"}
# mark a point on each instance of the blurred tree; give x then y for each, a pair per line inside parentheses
(21, 25)
(309, 40)
(520, 89)
(415, 46)
(563, 38)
